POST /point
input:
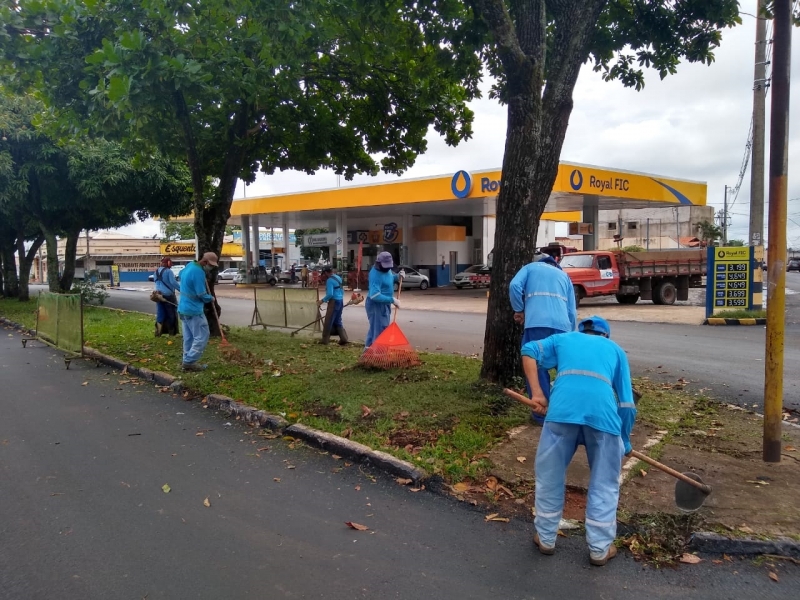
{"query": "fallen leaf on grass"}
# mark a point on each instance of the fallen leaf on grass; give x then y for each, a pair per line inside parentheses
(258, 374)
(365, 411)
(356, 526)
(790, 448)
(496, 517)
(166, 488)
(491, 484)
(403, 481)
(745, 529)
(206, 503)
(418, 489)
(521, 459)
(461, 487)
(347, 433)
(276, 479)
(85, 383)
(690, 559)
(358, 488)
(773, 575)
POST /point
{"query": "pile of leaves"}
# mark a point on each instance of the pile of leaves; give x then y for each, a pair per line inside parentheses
(659, 539)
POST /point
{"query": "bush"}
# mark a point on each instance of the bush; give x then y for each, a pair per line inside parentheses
(90, 292)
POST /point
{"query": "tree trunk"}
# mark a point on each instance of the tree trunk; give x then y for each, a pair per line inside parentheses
(25, 262)
(70, 253)
(52, 259)
(10, 280)
(537, 125)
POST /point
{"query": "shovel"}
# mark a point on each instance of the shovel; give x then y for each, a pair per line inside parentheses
(690, 491)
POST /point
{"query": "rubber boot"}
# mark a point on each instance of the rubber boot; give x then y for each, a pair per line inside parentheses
(159, 329)
(343, 339)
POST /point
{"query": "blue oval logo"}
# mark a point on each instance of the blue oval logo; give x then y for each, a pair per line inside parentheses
(576, 179)
(464, 190)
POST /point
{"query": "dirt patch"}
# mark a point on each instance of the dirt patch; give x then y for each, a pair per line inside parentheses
(326, 411)
(414, 438)
(723, 446)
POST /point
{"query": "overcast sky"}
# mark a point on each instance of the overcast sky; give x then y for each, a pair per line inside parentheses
(692, 125)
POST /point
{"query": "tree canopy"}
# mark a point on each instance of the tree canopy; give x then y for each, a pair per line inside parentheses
(238, 86)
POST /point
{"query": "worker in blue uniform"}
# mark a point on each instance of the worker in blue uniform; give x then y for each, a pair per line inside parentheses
(334, 297)
(167, 307)
(543, 299)
(381, 296)
(194, 294)
(592, 404)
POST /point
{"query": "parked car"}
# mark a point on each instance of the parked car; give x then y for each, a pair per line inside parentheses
(793, 264)
(462, 279)
(176, 270)
(227, 274)
(413, 278)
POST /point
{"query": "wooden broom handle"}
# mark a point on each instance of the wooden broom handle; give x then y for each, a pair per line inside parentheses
(399, 289)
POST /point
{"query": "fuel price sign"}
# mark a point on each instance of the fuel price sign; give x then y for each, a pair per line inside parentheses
(730, 283)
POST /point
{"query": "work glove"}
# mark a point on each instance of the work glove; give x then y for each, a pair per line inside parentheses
(402, 274)
(396, 302)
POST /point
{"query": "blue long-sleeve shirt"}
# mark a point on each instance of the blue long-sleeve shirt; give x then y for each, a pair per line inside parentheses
(333, 288)
(593, 382)
(165, 280)
(193, 290)
(546, 296)
(381, 286)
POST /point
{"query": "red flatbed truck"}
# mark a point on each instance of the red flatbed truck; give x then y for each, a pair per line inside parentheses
(662, 276)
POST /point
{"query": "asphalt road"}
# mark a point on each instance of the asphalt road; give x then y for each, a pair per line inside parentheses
(83, 516)
(729, 361)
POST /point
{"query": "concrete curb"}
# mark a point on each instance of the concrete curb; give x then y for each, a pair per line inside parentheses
(356, 451)
(248, 414)
(714, 543)
(721, 321)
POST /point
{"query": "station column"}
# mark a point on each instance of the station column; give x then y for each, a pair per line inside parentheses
(405, 252)
(255, 244)
(341, 239)
(246, 246)
(591, 214)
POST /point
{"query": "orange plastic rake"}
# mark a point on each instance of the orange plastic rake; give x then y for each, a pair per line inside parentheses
(390, 349)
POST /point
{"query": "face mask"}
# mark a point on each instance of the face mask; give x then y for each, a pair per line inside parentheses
(208, 268)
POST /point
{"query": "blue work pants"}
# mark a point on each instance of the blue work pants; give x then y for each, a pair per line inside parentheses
(532, 334)
(557, 446)
(379, 315)
(195, 337)
(336, 317)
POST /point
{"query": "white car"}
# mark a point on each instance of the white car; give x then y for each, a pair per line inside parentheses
(413, 278)
(227, 274)
(461, 279)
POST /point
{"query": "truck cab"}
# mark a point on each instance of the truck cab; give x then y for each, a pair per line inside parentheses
(593, 273)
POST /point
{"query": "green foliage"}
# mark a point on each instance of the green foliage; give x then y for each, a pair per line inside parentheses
(90, 291)
(633, 248)
(709, 232)
(173, 230)
(238, 86)
(735, 243)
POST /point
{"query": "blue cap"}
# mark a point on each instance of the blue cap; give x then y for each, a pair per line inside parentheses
(546, 259)
(595, 324)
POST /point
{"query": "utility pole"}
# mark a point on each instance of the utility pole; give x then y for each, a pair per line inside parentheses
(776, 257)
(725, 218)
(757, 151)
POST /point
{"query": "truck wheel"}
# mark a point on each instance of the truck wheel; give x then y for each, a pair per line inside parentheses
(627, 298)
(578, 296)
(665, 293)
